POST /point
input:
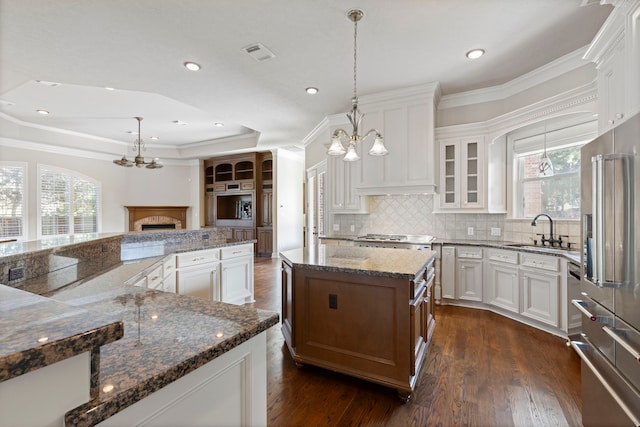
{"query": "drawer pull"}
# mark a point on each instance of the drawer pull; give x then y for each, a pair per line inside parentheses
(618, 339)
(154, 278)
(198, 259)
(580, 305)
(236, 252)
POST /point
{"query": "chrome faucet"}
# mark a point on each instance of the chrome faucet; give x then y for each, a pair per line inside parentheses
(551, 240)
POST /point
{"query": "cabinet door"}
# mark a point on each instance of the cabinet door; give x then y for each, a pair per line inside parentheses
(449, 174)
(502, 286)
(265, 241)
(236, 280)
(540, 296)
(611, 89)
(154, 279)
(267, 207)
(169, 274)
(198, 280)
(287, 305)
(472, 173)
(469, 279)
(448, 275)
(342, 195)
(210, 216)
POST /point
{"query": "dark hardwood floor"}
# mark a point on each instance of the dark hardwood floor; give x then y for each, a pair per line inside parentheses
(482, 369)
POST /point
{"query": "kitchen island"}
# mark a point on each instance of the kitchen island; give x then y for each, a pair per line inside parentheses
(364, 312)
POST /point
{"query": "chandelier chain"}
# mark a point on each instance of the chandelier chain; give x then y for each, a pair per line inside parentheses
(355, 60)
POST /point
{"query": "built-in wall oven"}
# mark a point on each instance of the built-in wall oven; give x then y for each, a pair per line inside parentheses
(609, 342)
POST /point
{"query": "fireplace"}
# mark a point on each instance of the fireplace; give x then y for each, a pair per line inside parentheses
(157, 217)
(158, 227)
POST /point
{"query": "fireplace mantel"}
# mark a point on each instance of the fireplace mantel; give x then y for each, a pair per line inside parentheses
(139, 212)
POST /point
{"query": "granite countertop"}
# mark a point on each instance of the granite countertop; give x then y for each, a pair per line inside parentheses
(384, 262)
(36, 331)
(572, 255)
(11, 250)
(166, 336)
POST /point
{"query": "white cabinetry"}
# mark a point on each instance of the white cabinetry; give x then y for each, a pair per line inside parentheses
(462, 174)
(154, 279)
(501, 284)
(448, 276)
(236, 280)
(540, 288)
(469, 273)
(197, 274)
(169, 274)
(230, 390)
(616, 52)
(408, 130)
(342, 177)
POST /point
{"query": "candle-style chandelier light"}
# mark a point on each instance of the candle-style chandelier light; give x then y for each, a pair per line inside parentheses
(138, 161)
(355, 117)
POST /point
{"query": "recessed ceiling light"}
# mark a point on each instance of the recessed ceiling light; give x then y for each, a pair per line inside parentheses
(311, 90)
(110, 88)
(44, 112)
(475, 53)
(155, 138)
(192, 66)
(218, 124)
(179, 122)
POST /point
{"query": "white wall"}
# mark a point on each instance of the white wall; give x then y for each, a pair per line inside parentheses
(171, 185)
(288, 200)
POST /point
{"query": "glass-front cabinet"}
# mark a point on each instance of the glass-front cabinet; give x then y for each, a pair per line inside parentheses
(462, 179)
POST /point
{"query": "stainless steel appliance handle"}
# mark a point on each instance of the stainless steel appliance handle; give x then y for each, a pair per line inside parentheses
(580, 305)
(618, 339)
(598, 188)
(603, 381)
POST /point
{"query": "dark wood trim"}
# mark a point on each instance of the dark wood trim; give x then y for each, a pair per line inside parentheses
(138, 212)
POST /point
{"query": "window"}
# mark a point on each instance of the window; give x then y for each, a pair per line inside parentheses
(12, 201)
(69, 202)
(557, 195)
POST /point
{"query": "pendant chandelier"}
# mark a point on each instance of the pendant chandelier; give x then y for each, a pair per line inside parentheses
(139, 162)
(545, 168)
(355, 117)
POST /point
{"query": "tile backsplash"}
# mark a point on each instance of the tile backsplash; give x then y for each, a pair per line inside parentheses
(413, 214)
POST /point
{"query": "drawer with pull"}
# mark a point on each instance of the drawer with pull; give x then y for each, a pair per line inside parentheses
(510, 257)
(544, 262)
(469, 252)
(197, 257)
(154, 278)
(236, 251)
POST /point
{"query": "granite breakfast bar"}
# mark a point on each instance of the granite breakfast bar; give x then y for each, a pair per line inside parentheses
(364, 312)
(150, 355)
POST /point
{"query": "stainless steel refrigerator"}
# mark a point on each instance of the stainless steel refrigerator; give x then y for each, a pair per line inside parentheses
(609, 343)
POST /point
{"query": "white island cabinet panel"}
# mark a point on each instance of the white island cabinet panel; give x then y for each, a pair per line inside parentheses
(231, 390)
(35, 398)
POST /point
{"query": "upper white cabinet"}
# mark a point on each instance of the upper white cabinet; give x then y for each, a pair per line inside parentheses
(462, 177)
(408, 135)
(341, 191)
(616, 52)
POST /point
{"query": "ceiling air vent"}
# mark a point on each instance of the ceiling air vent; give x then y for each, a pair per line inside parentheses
(259, 52)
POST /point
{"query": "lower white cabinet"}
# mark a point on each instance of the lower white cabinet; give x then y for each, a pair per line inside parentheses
(169, 274)
(540, 295)
(529, 287)
(236, 276)
(198, 281)
(501, 281)
(469, 273)
(230, 390)
(197, 274)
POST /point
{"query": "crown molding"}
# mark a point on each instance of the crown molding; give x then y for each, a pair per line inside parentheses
(579, 99)
(75, 152)
(562, 65)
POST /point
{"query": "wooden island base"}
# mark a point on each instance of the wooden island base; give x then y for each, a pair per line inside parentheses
(373, 327)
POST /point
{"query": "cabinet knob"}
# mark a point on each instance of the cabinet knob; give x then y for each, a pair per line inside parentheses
(619, 116)
(610, 121)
